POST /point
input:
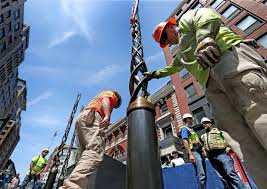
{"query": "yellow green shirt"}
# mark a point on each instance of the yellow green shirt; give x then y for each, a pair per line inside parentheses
(192, 26)
(39, 163)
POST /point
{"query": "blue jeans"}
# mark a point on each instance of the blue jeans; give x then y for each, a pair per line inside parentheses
(200, 170)
(26, 181)
(224, 165)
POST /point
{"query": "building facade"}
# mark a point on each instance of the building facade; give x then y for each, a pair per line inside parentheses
(14, 40)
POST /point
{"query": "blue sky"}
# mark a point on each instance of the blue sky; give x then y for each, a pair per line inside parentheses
(79, 46)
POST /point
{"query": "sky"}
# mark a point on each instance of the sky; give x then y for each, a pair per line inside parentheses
(79, 46)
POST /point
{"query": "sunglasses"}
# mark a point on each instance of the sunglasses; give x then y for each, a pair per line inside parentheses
(164, 37)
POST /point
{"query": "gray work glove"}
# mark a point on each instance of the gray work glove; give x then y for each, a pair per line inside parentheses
(207, 53)
(150, 75)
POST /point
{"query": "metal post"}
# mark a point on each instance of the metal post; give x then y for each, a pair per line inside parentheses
(60, 181)
(51, 178)
(143, 160)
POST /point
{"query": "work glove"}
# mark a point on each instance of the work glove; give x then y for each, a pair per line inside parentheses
(207, 53)
(150, 75)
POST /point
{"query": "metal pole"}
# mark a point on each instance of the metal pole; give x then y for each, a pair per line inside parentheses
(143, 160)
(51, 178)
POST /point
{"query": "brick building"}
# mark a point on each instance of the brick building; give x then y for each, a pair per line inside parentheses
(14, 40)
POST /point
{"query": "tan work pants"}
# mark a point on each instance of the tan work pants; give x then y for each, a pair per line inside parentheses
(239, 105)
(92, 145)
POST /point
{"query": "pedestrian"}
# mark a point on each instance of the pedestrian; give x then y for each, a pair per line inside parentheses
(14, 182)
(90, 127)
(217, 149)
(195, 149)
(234, 74)
(166, 162)
(177, 160)
(37, 166)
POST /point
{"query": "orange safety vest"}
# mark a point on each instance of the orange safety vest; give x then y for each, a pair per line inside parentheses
(96, 103)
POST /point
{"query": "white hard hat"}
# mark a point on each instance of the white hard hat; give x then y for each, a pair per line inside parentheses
(205, 119)
(187, 115)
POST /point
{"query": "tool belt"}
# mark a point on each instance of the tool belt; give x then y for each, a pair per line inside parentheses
(90, 117)
(215, 152)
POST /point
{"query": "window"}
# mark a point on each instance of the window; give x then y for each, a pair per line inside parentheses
(167, 131)
(8, 28)
(8, 14)
(217, 4)
(2, 47)
(191, 93)
(10, 40)
(2, 33)
(263, 40)
(231, 12)
(197, 6)
(163, 108)
(17, 27)
(16, 14)
(248, 24)
(1, 19)
(199, 114)
(188, 1)
(184, 73)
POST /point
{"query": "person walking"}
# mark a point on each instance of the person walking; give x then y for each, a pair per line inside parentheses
(90, 126)
(37, 166)
(195, 149)
(217, 149)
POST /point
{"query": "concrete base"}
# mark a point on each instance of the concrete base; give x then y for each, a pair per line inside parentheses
(111, 174)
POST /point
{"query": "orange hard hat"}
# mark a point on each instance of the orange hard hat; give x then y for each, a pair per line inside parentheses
(159, 29)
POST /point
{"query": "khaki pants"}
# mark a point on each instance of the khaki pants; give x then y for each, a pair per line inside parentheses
(239, 105)
(92, 145)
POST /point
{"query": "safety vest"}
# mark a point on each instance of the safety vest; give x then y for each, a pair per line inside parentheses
(39, 163)
(213, 140)
(193, 138)
(96, 103)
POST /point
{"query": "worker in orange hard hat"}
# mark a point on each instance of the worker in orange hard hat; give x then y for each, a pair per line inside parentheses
(233, 72)
(166, 36)
(90, 132)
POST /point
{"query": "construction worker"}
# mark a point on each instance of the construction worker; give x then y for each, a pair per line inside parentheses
(217, 149)
(90, 127)
(195, 149)
(233, 73)
(37, 166)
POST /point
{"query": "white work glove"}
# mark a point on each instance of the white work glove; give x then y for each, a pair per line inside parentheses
(207, 53)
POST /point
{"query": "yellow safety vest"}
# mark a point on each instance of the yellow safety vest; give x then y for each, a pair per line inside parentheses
(213, 140)
(193, 138)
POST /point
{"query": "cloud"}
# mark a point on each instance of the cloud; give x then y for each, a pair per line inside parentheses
(77, 11)
(154, 57)
(61, 39)
(39, 69)
(104, 74)
(41, 97)
(45, 120)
